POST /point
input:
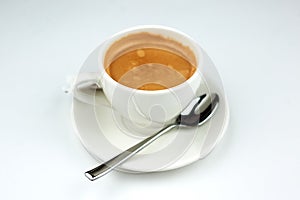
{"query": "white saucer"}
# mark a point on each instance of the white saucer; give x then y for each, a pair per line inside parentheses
(104, 134)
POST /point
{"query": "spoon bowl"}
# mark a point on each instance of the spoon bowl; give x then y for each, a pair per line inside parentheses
(198, 111)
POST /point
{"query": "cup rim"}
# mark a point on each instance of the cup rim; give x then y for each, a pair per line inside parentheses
(142, 28)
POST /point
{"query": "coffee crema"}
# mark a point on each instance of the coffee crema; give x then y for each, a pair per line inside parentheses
(150, 69)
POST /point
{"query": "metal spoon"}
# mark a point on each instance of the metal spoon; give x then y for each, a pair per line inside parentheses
(195, 114)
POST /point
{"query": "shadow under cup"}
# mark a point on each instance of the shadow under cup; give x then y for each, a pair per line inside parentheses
(141, 112)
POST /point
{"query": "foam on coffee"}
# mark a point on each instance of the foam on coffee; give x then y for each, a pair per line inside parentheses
(149, 62)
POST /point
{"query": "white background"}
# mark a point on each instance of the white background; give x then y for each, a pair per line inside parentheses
(255, 46)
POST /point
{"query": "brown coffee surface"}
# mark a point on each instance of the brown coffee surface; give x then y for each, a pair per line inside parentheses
(150, 69)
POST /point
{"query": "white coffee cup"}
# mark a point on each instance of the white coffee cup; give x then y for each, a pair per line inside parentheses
(145, 106)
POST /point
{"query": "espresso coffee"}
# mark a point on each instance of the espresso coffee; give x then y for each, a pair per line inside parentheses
(150, 69)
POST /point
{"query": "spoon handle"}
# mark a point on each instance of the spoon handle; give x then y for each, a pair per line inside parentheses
(108, 166)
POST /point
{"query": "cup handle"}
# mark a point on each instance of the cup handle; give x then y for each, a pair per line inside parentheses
(83, 87)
